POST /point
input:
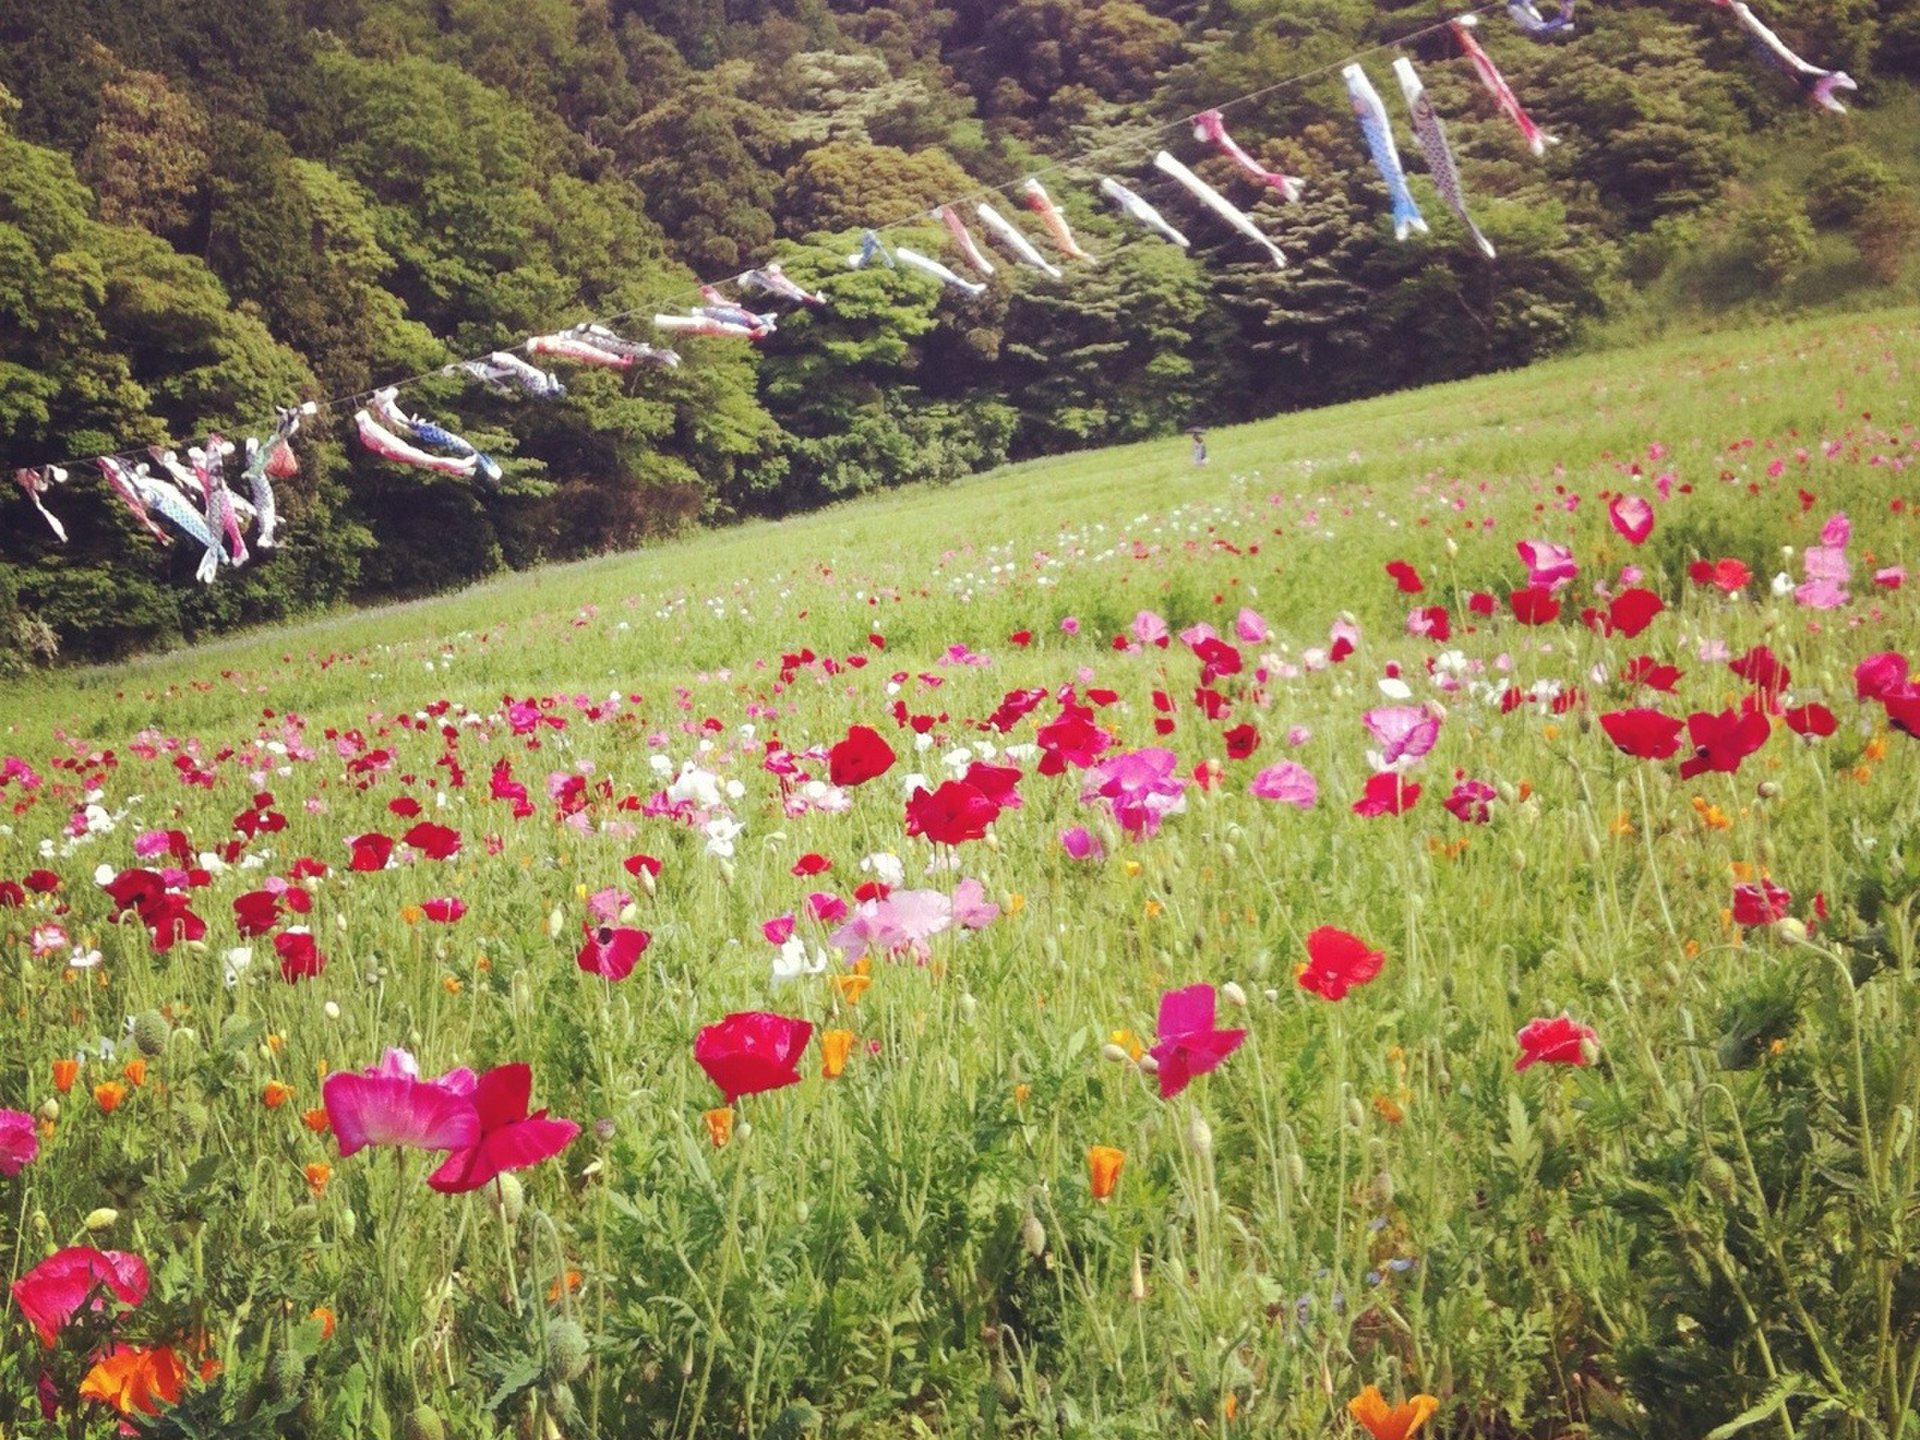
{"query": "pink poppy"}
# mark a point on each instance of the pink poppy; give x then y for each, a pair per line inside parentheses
(19, 1142)
(1250, 627)
(1470, 802)
(970, 906)
(1632, 517)
(1140, 786)
(1188, 1044)
(1556, 1041)
(777, 930)
(826, 907)
(749, 1052)
(1080, 843)
(1336, 962)
(389, 1104)
(1149, 629)
(1761, 903)
(1287, 783)
(443, 910)
(508, 1137)
(1404, 732)
(55, 1290)
(1549, 565)
(612, 951)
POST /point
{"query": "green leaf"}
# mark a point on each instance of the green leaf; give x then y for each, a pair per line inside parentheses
(1769, 1404)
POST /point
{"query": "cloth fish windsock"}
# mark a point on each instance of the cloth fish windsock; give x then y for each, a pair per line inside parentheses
(1004, 231)
(162, 499)
(1211, 126)
(386, 409)
(223, 521)
(1041, 203)
(1372, 115)
(927, 265)
(580, 350)
(388, 446)
(505, 373)
(1496, 83)
(1433, 144)
(34, 484)
(718, 307)
(711, 326)
(1818, 85)
(963, 239)
(186, 480)
(872, 248)
(601, 338)
(772, 280)
(120, 480)
(1528, 17)
(1133, 206)
(1219, 204)
(273, 461)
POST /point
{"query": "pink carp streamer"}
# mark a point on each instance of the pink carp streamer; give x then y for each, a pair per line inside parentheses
(1503, 96)
(963, 240)
(1211, 126)
(34, 485)
(1041, 203)
(388, 446)
(1816, 84)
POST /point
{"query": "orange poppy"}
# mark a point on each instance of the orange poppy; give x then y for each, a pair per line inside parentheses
(315, 1120)
(835, 1046)
(135, 1071)
(134, 1380)
(64, 1074)
(1103, 1169)
(719, 1125)
(325, 1317)
(852, 987)
(1390, 1423)
(318, 1173)
(275, 1093)
(108, 1095)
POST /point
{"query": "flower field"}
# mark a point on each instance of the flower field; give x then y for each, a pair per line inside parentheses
(1412, 926)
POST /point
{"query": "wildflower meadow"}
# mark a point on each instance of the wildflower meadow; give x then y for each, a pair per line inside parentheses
(1408, 928)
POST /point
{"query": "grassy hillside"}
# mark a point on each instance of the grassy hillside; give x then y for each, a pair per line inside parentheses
(1557, 906)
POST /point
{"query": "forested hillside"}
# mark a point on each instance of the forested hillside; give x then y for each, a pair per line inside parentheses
(209, 209)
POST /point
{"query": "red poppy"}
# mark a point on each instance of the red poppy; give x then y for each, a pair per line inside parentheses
(1433, 622)
(1556, 1041)
(1645, 670)
(1386, 794)
(134, 889)
(752, 1051)
(1534, 605)
(634, 865)
(1721, 742)
(1217, 658)
(300, 958)
(1726, 576)
(1242, 741)
(996, 782)
(41, 882)
(436, 842)
(406, 807)
(1070, 738)
(1813, 720)
(860, 757)
(370, 852)
(1336, 962)
(1760, 904)
(256, 912)
(509, 1139)
(612, 951)
(12, 897)
(53, 1292)
(1762, 669)
(811, 864)
(954, 813)
(1643, 734)
(1631, 611)
(306, 868)
(1881, 675)
(443, 910)
(1405, 576)
(1480, 603)
(1020, 638)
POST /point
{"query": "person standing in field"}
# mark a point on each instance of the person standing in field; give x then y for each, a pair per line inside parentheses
(1199, 436)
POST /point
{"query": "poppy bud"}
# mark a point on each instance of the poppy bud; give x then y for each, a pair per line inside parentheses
(286, 1372)
(556, 922)
(1113, 1052)
(1136, 1281)
(1767, 790)
(1518, 859)
(1507, 792)
(1006, 1387)
(743, 1130)
(101, 1219)
(1234, 995)
(509, 1198)
(150, 1030)
(1296, 1170)
(1033, 1235)
(49, 1110)
(1718, 1178)
(1590, 844)
(562, 1403)
(1200, 1135)
(1383, 1189)
(1356, 1113)
(566, 1351)
(423, 1424)
(968, 1005)
(1149, 1065)
(331, 1010)
(1791, 929)
(1272, 995)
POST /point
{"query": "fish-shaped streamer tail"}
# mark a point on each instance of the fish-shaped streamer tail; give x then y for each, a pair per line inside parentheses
(1496, 83)
(1816, 84)
(1378, 130)
(385, 406)
(1135, 208)
(1535, 25)
(770, 279)
(580, 349)
(273, 461)
(963, 240)
(1008, 234)
(1211, 126)
(872, 248)
(162, 499)
(34, 485)
(711, 326)
(222, 520)
(506, 373)
(121, 481)
(1041, 203)
(1219, 204)
(388, 446)
(1433, 144)
(601, 338)
(927, 265)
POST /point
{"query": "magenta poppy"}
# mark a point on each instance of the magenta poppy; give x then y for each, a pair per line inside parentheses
(1534, 605)
(950, 815)
(370, 852)
(1405, 577)
(1080, 843)
(1632, 517)
(55, 1290)
(443, 910)
(1386, 794)
(861, 757)
(1336, 962)
(1549, 564)
(256, 912)
(300, 958)
(612, 951)
(508, 1139)
(1557, 1041)
(19, 1142)
(1881, 675)
(1643, 734)
(752, 1051)
(1761, 903)
(389, 1104)
(436, 842)
(1287, 783)
(12, 897)
(1470, 802)
(1403, 732)
(1721, 742)
(1188, 1044)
